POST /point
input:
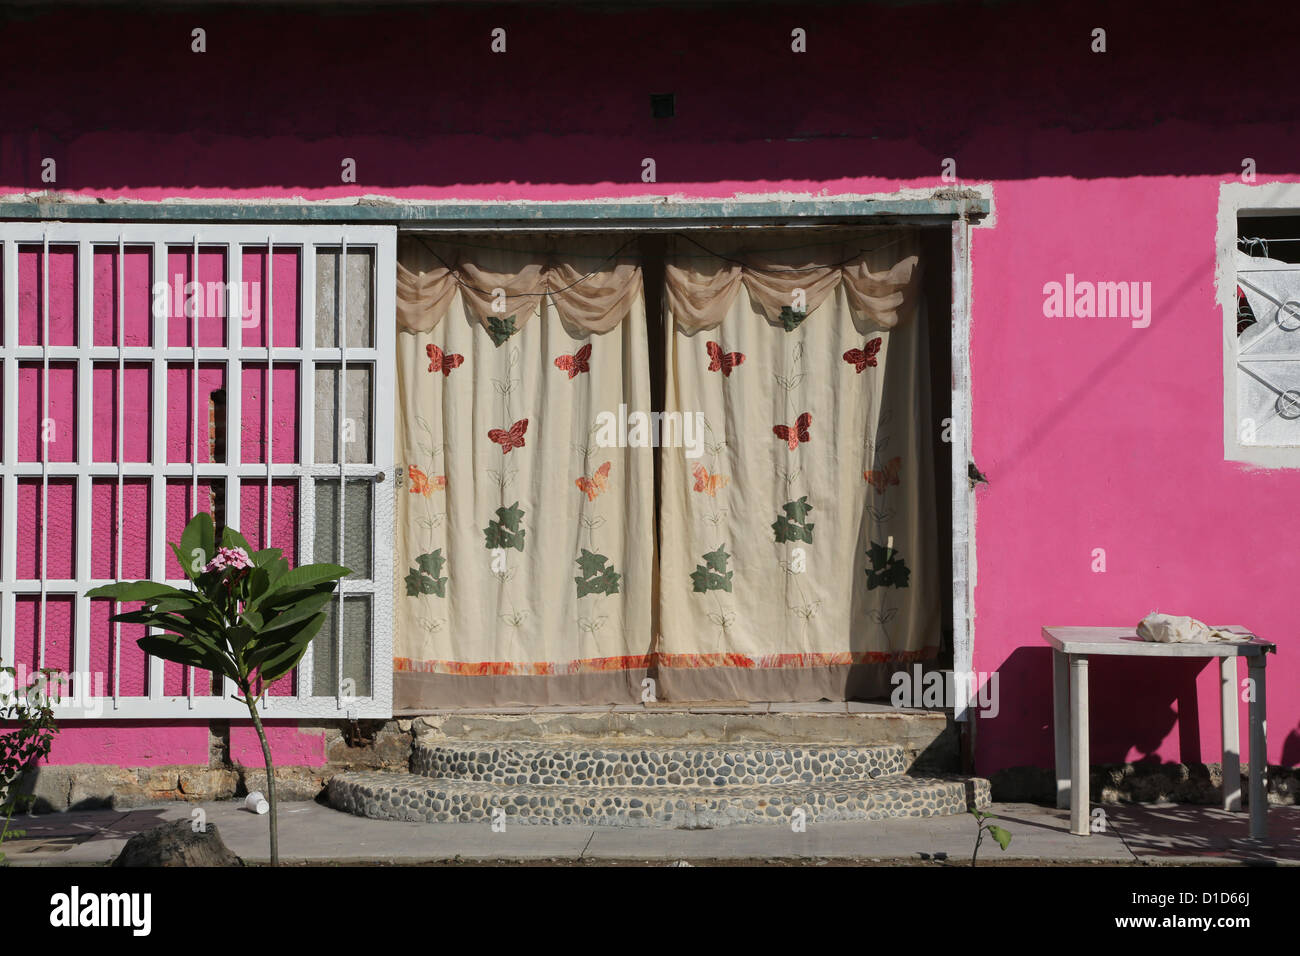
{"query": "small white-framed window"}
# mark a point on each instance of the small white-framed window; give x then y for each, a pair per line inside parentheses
(1259, 294)
(151, 370)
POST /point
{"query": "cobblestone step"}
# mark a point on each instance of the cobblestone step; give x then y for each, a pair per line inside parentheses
(527, 763)
(417, 798)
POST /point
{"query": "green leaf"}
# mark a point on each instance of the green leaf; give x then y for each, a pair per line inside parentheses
(790, 319)
(304, 576)
(431, 563)
(717, 560)
(887, 568)
(591, 563)
(598, 576)
(791, 526)
(124, 591)
(295, 612)
(798, 509)
(426, 577)
(713, 574)
(506, 530)
(172, 648)
(266, 556)
(199, 535)
(1001, 835)
(230, 538)
(290, 653)
(501, 329)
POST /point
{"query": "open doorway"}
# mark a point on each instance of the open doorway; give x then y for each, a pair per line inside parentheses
(895, 559)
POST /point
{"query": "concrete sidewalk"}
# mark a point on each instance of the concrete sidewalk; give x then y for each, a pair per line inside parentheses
(310, 832)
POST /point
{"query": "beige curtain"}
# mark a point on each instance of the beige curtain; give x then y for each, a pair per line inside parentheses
(525, 546)
(799, 550)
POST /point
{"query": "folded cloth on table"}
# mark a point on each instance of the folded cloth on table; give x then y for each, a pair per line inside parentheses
(1174, 629)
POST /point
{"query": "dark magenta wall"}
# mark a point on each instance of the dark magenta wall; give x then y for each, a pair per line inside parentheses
(1104, 165)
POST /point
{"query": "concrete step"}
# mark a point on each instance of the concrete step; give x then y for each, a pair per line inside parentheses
(604, 765)
(416, 798)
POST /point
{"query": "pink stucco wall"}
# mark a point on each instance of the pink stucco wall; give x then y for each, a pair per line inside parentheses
(1094, 434)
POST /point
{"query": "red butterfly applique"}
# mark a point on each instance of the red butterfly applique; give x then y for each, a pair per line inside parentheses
(720, 361)
(575, 363)
(514, 438)
(864, 356)
(440, 361)
(795, 433)
(884, 477)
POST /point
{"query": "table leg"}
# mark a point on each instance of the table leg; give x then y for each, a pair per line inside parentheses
(1231, 733)
(1258, 749)
(1061, 726)
(1079, 784)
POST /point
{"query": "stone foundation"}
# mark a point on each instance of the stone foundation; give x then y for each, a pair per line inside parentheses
(383, 745)
(1145, 782)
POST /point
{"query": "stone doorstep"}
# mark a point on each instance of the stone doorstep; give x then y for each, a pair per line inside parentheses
(613, 764)
(411, 798)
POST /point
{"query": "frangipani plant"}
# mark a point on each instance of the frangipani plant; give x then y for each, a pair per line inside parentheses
(248, 617)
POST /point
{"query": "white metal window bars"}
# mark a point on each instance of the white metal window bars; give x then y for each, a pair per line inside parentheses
(1286, 318)
(304, 471)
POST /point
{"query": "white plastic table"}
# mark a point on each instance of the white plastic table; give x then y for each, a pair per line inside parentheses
(1071, 648)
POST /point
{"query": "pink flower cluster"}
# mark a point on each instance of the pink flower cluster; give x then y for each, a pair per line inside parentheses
(229, 558)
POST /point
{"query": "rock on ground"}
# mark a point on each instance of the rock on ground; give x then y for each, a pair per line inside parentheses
(177, 844)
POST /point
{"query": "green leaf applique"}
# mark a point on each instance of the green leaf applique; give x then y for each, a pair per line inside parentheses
(598, 575)
(790, 319)
(501, 329)
(793, 525)
(426, 577)
(505, 531)
(712, 575)
(887, 568)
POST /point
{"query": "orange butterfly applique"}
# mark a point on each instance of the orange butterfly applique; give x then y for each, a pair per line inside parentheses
(575, 363)
(720, 361)
(709, 483)
(597, 483)
(514, 438)
(795, 433)
(884, 477)
(421, 484)
(442, 361)
(864, 356)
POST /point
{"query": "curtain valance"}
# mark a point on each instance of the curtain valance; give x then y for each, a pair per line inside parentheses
(591, 285)
(880, 280)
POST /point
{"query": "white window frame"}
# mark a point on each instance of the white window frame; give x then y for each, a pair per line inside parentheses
(1237, 200)
(381, 240)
